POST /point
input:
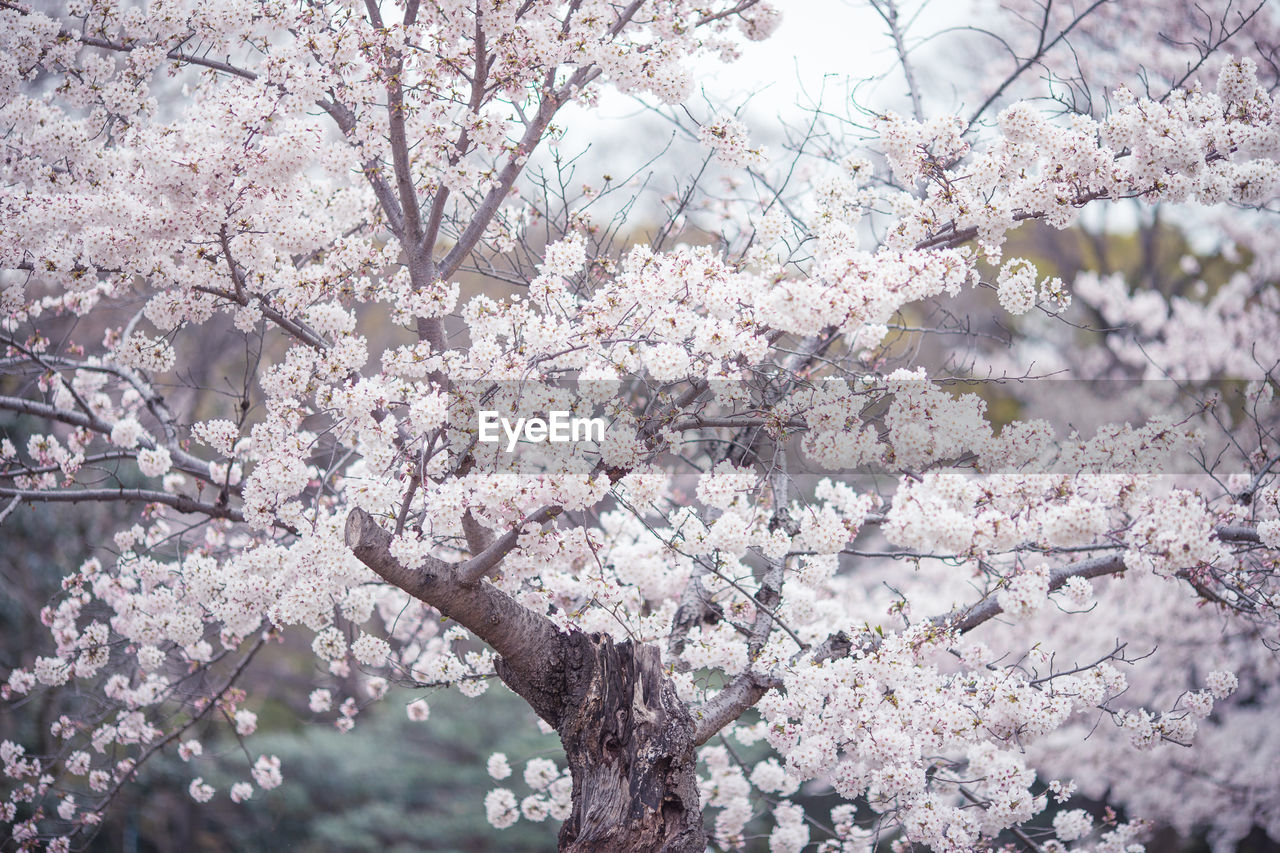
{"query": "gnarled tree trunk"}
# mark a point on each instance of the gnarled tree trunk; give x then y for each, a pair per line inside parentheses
(630, 746)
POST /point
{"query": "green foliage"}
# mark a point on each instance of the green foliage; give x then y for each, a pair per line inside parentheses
(389, 786)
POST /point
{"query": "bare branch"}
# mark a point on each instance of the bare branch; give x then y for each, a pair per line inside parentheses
(888, 11)
(181, 503)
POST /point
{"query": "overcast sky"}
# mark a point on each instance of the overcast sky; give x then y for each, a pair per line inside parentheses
(819, 42)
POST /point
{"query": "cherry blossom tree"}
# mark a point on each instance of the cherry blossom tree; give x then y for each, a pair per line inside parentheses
(794, 538)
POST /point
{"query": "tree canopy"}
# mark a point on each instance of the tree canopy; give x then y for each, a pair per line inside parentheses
(898, 493)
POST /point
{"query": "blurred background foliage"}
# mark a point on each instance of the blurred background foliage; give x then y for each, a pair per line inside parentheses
(389, 785)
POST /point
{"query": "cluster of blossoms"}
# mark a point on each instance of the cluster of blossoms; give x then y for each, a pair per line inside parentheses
(727, 137)
(551, 788)
(1192, 145)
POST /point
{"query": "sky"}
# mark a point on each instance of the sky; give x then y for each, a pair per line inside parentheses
(819, 43)
(817, 38)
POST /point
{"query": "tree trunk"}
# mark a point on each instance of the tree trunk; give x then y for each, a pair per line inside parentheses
(629, 742)
(628, 738)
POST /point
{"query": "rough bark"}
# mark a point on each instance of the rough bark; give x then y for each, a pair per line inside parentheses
(628, 738)
(629, 742)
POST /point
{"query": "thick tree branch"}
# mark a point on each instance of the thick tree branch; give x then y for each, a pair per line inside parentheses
(967, 619)
(530, 644)
(743, 692)
(371, 166)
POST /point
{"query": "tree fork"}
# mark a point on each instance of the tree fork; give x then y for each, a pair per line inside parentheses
(628, 738)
